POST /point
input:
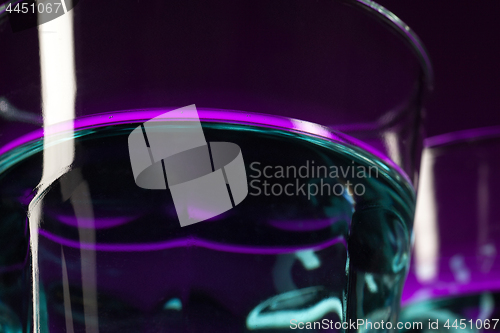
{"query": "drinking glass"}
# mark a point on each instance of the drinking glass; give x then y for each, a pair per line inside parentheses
(207, 166)
(455, 275)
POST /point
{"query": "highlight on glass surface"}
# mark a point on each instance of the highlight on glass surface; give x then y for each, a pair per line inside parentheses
(219, 166)
(454, 277)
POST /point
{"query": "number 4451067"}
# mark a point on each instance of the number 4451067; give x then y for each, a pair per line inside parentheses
(478, 324)
(34, 8)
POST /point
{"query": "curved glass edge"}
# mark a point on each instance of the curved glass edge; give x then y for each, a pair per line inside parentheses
(4, 4)
(207, 115)
(406, 32)
(475, 134)
(183, 242)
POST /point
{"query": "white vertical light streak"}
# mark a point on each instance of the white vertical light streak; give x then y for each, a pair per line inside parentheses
(425, 226)
(34, 216)
(57, 64)
(391, 141)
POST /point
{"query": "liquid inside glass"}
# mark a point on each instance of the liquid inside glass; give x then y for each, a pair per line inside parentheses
(322, 237)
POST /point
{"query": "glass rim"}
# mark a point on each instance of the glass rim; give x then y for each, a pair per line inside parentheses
(463, 136)
(408, 35)
(207, 115)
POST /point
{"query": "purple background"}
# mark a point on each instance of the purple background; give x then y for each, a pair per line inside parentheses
(463, 40)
